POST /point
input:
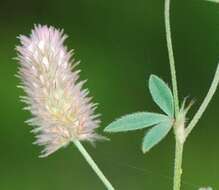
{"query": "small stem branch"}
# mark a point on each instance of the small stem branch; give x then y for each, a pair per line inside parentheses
(93, 165)
(178, 165)
(171, 56)
(205, 103)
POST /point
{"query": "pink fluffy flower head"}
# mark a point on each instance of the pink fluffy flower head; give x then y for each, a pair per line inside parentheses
(61, 109)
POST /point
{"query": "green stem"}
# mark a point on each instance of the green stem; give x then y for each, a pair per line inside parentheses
(179, 145)
(93, 165)
(205, 103)
(178, 165)
(171, 56)
(213, 87)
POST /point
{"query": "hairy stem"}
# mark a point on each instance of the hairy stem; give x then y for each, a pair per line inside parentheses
(93, 165)
(179, 145)
(171, 56)
(205, 103)
(178, 165)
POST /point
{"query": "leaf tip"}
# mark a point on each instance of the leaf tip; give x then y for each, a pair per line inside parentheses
(144, 151)
(107, 129)
(152, 77)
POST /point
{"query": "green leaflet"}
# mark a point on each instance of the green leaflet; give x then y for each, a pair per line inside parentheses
(161, 94)
(155, 135)
(136, 121)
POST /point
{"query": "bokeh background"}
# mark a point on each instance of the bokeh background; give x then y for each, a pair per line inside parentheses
(120, 43)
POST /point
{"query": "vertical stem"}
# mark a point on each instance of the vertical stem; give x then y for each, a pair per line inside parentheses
(178, 165)
(93, 165)
(179, 145)
(171, 56)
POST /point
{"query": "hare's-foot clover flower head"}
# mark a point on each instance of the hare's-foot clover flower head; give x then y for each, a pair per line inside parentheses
(61, 109)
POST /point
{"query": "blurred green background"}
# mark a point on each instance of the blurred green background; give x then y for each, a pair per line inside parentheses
(120, 43)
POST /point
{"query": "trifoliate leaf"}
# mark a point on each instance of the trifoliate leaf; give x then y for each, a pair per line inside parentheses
(136, 121)
(155, 135)
(161, 94)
